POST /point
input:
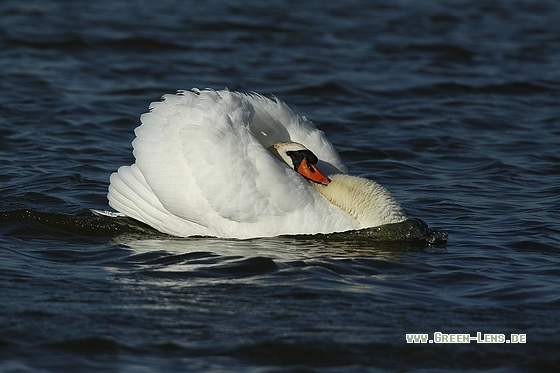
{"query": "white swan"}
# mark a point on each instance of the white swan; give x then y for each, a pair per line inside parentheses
(221, 163)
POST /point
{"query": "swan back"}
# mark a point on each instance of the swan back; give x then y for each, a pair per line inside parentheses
(272, 121)
(368, 202)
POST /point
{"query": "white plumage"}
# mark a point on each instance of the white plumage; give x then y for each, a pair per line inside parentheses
(203, 168)
(366, 201)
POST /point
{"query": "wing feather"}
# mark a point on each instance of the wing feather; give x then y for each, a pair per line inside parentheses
(202, 167)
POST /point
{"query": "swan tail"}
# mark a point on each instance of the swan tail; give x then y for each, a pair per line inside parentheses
(108, 214)
(130, 194)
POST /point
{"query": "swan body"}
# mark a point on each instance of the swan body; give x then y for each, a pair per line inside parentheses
(221, 163)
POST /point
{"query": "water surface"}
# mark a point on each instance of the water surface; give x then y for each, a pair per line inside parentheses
(451, 105)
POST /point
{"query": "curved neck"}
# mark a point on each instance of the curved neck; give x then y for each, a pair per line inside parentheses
(368, 202)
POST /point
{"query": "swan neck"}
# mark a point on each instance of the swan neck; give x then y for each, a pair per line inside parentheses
(365, 200)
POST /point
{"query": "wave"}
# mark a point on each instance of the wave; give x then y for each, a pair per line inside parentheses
(27, 223)
(37, 223)
(510, 88)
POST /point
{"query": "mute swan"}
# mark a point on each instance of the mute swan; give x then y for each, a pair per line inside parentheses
(230, 165)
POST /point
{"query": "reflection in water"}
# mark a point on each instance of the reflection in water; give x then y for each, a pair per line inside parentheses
(384, 242)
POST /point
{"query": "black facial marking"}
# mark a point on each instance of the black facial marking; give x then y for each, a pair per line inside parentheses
(298, 156)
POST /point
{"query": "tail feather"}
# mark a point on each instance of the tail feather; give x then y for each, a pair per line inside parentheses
(130, 194)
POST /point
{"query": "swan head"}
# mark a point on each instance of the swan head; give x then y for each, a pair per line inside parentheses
(301, 159)
(366, 201)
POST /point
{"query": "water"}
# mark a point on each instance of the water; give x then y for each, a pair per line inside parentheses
(451, 105)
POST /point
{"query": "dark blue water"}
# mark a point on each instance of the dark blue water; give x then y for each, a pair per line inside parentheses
(454, 106)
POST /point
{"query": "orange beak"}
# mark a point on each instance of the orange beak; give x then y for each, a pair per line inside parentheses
(310, 172)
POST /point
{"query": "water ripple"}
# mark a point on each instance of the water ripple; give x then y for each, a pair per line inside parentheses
(453, 106)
